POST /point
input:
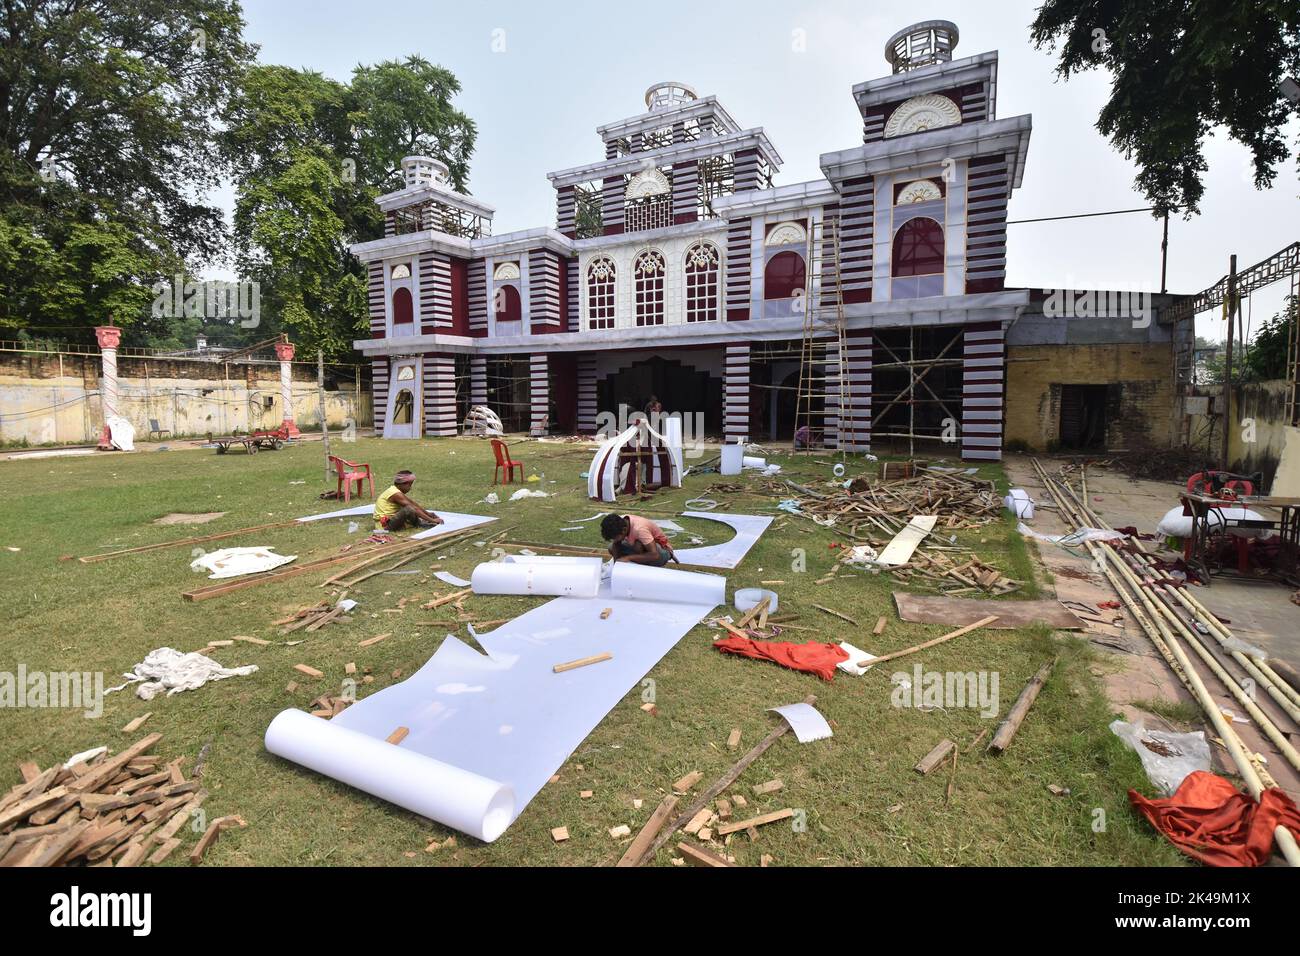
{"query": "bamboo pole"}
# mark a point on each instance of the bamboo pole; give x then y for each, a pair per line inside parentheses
(1020, 709)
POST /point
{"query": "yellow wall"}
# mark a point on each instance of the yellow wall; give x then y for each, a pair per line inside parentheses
(49, 398)
(1140, 414)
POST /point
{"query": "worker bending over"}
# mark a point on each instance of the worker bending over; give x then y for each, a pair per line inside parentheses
(636, 539)
(396, 510)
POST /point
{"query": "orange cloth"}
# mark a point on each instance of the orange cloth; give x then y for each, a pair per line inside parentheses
(814, 658)
(646, 531)
(1212, 821)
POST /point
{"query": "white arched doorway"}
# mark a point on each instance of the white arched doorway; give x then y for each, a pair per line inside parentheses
(404, 403)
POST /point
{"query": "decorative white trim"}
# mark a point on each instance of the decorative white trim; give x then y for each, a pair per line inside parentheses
(506, 271)
(650, 182)
(920, 190)
(787, 234)
(401, 265)
(929, 111)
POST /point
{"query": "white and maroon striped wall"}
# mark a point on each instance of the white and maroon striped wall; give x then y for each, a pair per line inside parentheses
(983, 366)
(735, 422)
(855, 427)
(439, 386)
(435, 292)
(586, 394)
(539, 392)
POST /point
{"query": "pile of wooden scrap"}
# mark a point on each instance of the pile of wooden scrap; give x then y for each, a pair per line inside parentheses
(870, 506)
(313, 618)
(102, 811)
(935, 570)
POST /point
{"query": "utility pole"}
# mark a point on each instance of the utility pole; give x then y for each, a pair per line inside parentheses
(1231, 303)
(1164, 257)
(320, 390)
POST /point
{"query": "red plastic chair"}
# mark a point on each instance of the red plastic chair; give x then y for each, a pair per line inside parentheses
(349, 472)
(503, 461)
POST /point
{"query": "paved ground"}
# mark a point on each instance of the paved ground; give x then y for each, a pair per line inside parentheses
(1135, 676)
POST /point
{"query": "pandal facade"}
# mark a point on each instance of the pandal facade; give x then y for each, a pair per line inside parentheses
(871, 301)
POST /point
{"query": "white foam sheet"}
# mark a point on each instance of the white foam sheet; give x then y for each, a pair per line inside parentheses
(446, 577)
(579, 577)
(729, 554)
(440, 791)
(859, 661)
(501, 719)
(806, 721)
(641, 582)
(451, 520)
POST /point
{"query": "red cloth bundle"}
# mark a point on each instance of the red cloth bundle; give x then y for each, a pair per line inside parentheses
(819, 659)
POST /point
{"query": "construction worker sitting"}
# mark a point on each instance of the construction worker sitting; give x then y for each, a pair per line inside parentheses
(395, 510)
(636, 539)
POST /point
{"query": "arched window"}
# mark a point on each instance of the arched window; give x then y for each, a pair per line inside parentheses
(784, 274)
(403, 311)
(507, 304)
(404, 408)
(600, 294)
(701, 282)
(918, 248)
(649, 274)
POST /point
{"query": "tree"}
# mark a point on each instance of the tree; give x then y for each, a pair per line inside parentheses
(107, 119)
(1180, 68)
(310, 155)
(1267, 356)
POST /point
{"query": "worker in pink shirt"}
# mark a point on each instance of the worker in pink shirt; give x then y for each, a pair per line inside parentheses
(636, 539)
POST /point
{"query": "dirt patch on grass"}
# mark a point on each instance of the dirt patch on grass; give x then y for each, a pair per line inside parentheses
(180, 517)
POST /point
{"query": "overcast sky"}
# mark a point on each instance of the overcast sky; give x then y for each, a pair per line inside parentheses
(538, 78)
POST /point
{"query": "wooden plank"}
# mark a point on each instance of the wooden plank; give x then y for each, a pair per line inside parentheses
(398, 735)
(938, 640)
(733, 739)
(309, 671)
(699, 856)
(582, 662)
(164, 851)
(772, 786)
(758, 821)
(371, 641)
(723, 782)
(107, 769)
(180, 542)
(688, 781)
(649, 831)
(559, 834)
(880, 626)
(135, 725)
(210, 835)
(30, 771)
(833, 613)
(935, 757)
(698, 821)
(954, 611)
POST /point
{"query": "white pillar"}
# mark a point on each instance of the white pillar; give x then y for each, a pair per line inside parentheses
(108, 336)
(284, 352)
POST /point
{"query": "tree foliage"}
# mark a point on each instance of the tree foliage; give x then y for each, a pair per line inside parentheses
(107, 119)
(311, 154)
(1179, 69)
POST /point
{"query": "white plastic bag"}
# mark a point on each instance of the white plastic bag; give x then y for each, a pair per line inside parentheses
(1166, 757)
(1020, 503)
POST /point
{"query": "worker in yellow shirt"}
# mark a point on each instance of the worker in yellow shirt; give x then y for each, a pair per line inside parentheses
(395, 509)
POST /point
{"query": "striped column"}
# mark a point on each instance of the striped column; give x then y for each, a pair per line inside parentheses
(379, 391)
(539, 395)
(855, 429)
(375, 299)
(477, 276)
(746, 170)
(544, 291)
(571, 303)
(611, 205)
(736, 397)
(439, 395)
(738, 269)
(831, 399)
(983, 364)
(566, 216)
(686, 192)
(586, 394)
(435, 292)
(857, 234)
(987, 189)
(478, 380)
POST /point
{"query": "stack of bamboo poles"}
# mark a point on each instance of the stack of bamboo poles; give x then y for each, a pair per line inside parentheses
(1169, 615)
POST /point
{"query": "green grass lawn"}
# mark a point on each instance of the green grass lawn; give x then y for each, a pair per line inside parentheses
(863, 802)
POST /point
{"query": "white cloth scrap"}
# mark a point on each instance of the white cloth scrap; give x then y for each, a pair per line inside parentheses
(167, 669)
(859, 660)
